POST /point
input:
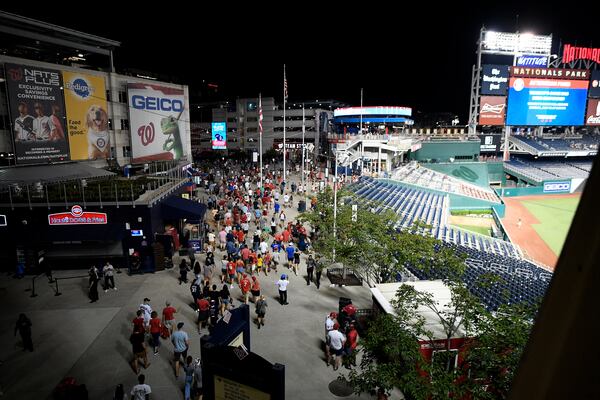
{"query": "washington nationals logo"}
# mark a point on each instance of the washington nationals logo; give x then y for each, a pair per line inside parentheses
(146, 133)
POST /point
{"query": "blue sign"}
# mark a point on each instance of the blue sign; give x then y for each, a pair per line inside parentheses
(137, 232)
(219, 136)
(531, 61)
(553, 187)
(546, 102)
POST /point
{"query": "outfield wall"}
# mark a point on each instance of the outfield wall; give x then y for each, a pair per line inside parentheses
(547, 187)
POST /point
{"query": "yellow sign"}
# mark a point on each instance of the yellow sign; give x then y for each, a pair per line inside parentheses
(226, 389)
(87, 116)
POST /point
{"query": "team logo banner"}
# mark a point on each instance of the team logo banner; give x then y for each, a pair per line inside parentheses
(37, 108)
(157, 126)
(85, 99)
(219, 136)
(77, 217)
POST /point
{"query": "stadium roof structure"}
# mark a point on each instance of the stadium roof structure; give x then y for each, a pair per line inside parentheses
(51, 173)
(37, 40)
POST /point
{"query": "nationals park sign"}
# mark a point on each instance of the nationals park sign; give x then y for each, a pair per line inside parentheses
(77, 217)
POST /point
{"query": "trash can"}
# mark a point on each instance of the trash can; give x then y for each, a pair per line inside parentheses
(301, 206)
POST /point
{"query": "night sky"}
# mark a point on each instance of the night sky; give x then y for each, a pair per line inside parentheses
(420, 58)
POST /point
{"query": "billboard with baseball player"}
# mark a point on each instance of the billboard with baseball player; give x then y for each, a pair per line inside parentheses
(157, 115)
(85, 100)
(36, 106)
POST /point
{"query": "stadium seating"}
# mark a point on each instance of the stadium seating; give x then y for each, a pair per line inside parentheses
(540, 170)
(521, 281)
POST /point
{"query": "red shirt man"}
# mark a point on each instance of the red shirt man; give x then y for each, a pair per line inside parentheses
(203, 305)
(245, 284)
(168, 313)
(286, 236)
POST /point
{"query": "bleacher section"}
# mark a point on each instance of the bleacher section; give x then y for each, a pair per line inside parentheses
(539, 171)
(522, 280)
(415, 174)
(586, 142)
(414, 204)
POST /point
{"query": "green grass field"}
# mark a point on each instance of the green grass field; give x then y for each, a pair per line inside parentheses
(477, 229)
(555, 216)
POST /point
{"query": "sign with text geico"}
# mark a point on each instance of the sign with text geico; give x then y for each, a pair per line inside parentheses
(157, 122)
(77, 217)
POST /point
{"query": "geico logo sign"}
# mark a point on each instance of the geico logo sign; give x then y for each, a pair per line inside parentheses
(156, 103)
(553, 187)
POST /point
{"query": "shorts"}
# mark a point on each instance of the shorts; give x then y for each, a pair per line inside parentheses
(260, 314)
(203, 316)
(255, 293)
(177, 355)
(224, 301)
(170, 323)
(141, 354)
(338, 352)
(240, 270)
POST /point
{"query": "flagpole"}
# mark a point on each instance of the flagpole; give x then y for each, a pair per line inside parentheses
(284, 101)
(303, 149)
(260, 128)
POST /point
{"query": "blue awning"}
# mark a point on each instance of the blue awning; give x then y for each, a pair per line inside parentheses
(179, 208)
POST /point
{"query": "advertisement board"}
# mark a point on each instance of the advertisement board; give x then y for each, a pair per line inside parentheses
(595, 84)
(156, 115)
(77, 217)
(494, 79)
(87, 116)
(554, 187)
(36, 106)
(490, 143)
(546, 102)
(492, 110)
(531, 61)
(592, 117)
(219, 135)
(550, 73)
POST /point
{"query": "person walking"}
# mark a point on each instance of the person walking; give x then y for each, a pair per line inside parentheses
(255, 289)
(155, 328)
(139, 350)
(261, 309)
(296, 264)
(245, 287)
(329, 323)
(23, 326)
(93, 284)
(109, 272)
(319, 271)
(310, 268)
(183, 269)
(203, 312)
(147, 310)
(188, 368)
(141, 391)
(168, 316)
(350, 347)
(180, 340)
(225, 297)
(282, 284)
(336, 344)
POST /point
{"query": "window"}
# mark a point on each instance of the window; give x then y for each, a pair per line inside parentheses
(108, 95)
(125, 124)
(445, 359)
(110, 123)
(113, 152)
(122, 97)
(126, 151)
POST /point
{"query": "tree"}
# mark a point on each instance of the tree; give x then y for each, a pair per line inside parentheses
(490, 355)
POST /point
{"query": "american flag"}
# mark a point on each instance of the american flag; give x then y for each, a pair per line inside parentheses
(260, 116)
(285, 88)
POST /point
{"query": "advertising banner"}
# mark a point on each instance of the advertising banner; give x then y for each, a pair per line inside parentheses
(546, 102)
(156, 120)
(494, 79)
(219, 136)
(592, 116)
(77, 217)
(490, 143)
(595, 84)
(37, 107)
(492, 110)
(531, 61)
(550, 73)
(87, 116)
(553, 187)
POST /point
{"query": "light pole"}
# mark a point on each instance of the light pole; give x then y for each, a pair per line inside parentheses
(335, 203)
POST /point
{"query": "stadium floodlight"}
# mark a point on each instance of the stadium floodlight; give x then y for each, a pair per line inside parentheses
(516, 43)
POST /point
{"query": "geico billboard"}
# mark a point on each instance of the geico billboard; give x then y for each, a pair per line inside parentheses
(156, 115)
(37, 112)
